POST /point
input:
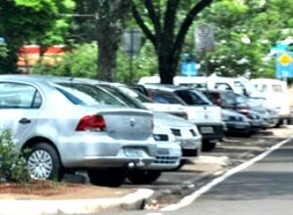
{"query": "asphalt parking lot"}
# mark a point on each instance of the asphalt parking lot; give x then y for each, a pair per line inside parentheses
(232, 151)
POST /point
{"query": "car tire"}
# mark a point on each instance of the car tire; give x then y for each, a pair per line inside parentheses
(43, 162)
(143, 176)
(278, 124)
(112, 177)
(208, 146)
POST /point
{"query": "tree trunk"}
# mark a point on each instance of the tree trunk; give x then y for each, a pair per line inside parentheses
(107, 54)
(167, 67)
(110, 17)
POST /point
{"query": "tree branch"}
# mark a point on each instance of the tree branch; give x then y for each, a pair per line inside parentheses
(170, 18)
(142, 25)
(154, 17)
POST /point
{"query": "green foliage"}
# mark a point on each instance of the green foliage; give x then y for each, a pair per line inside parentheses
(143, 64)
(80, 61)
(26, 22)
(3, 51)
(12, 162)
(244, 33)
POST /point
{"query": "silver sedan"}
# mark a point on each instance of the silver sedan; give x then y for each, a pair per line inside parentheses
(65, 128)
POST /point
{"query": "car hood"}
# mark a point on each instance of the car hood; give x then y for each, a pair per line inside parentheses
(231, 113)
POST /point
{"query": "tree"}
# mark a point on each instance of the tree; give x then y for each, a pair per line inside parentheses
(161, 30)
(26, 21)
(245, 30)
(110, 20)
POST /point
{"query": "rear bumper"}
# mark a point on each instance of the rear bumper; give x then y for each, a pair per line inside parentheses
(90, 150)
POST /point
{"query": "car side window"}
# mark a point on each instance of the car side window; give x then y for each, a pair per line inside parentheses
(276, 88)
(16, 95)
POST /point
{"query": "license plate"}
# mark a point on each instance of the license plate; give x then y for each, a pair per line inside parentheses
(207, 130)
(188, 144)
(239, 126)
(129, 152)
(163, 151)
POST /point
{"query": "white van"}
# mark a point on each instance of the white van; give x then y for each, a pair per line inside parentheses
(201, 82)
(275, 93)
(211, 82)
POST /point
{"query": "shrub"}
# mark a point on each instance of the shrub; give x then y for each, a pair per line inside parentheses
(12, 162)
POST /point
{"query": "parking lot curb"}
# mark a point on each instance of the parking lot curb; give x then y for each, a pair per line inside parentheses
(131, 201)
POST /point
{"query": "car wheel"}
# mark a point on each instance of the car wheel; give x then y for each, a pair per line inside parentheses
(43, 162)
(208, 146)
(112, 177)
(143, 176)
(278, 124)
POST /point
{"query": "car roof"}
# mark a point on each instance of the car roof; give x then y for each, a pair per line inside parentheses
(42, 79)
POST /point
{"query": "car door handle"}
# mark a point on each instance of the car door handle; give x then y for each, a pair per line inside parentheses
(24, 121)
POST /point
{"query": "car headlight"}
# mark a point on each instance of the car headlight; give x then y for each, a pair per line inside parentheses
(161, 137)
(225, 117)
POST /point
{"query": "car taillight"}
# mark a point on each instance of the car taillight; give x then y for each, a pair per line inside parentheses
(91, 123)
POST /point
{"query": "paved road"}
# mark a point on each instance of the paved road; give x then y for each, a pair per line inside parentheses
(265, 188)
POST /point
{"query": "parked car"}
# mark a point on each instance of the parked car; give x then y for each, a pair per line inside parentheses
(185, 132)
(269, 115)
(228, 100)
(65, 127)
(236, 123)
(168, 149)
(200, 111)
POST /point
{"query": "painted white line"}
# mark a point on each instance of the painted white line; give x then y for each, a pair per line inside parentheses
(189, 199)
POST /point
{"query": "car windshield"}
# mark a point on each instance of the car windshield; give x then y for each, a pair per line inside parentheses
(85, 94)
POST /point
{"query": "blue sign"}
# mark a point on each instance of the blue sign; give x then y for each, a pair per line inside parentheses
(188, 68)
(2, 40)
(284, 65)
(280, 47)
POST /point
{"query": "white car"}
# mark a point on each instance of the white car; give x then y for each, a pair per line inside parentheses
(206, 116)
(64, 128)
